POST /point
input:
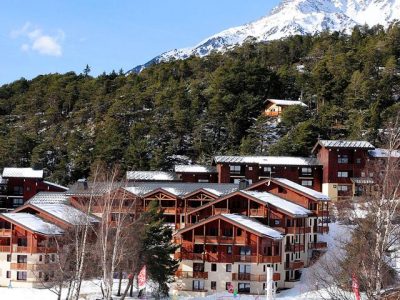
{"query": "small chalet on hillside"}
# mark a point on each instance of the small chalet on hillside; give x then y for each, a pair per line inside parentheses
(275, 107)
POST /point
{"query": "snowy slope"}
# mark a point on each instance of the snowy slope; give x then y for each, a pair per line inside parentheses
(293, 17)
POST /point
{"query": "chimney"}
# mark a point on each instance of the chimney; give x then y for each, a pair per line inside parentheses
(82, 183)
(243, 184)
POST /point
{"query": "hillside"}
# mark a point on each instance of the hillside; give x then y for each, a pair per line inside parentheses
(201, 107)
(293, 17)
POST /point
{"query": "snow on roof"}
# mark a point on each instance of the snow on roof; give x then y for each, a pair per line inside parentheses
(49, 198)
(254, 225)
(66, 213)
(90, 188)
(286, 102)
(383, 153)
(34, 223)
(285, 205)
(181, 189)
(346, 144)
(55, 185)
(268, 160)
(305, 190)
(194, 169)
(150, 175)
(22, 173)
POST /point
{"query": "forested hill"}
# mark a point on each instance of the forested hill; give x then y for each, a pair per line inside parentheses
(203, 107)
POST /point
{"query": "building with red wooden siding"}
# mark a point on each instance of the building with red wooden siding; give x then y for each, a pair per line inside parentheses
(306, 171)
(17, 185)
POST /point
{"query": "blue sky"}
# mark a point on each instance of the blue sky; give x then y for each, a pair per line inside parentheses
(47, 36)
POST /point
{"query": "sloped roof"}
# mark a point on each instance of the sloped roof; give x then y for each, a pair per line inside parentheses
(194, 169)
(55, 185)
(254, 225)
(181, 189)
(22, 173)
(344, 144)
(49, 198)
(383, 153)
(286, 102)
(312, 193)
(151, 176)
(280, 203)
(268, 160)
(66, 213)
(88, 188)
(33, 223)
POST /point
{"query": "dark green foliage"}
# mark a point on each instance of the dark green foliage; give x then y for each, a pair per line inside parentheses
(157, 248)
(201, 107)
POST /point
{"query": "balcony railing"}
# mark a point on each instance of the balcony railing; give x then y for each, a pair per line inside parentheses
(294, 265)
(201, 239)
(226, 258)
(253, 277)
(5, 232)
(19, 266)
(321, 213)
(297, 230)
(318, 246)
(294, 247)
(5, 249)
(184, 274)
(257, 212)
(219, 211)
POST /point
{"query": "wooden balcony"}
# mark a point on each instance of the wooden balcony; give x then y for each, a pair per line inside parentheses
(19, 266)
(219, 211)
(323, 229)
(5, 249)
(226, 258)
(297, 230)
(294, 265)
(196, 275)
(201, 239)
(321, 213)
(257, 212)
(20, 249)
(294, 248)
(5, 232)
(169, 210)
(252, 277)
(272, 113)
(318, 246)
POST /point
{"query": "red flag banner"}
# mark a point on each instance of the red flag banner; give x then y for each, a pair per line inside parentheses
(356, 287)
(142, 278)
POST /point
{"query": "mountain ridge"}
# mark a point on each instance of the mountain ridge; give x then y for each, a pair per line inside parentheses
(292, 17)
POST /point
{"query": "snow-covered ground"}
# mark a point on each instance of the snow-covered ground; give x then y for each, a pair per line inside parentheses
(305, 289)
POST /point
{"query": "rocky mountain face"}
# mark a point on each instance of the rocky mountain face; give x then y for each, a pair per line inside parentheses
(293, 17)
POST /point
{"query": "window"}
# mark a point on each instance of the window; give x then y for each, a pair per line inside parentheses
(343, 159)
(244, 288)
(362, 174)
(229, 249)
(22, 242)
(250, 181)
(236, 180)
(371, 174)
(239, 232)
(203, 180)
(306, 171)
(342, 188)
(22, 259)
(267, 170)
(198, 285)
(306, 183)
(358, 160)
(18, 190)
(8, 274)
(18, 202)
(228, 232)
(213, 285)
(343, 174)
(235, 169)
(228, 268)
(244, 269)
(21, 275)
(198, 267)
(213, 267)
(245, 251)
(277, 222)
(8, 257)
(250, 168)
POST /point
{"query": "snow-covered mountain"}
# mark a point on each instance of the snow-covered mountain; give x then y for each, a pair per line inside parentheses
(293, 17)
